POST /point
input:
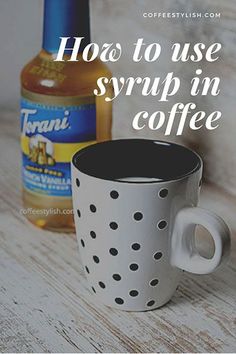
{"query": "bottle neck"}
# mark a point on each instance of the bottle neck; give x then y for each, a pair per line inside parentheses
(65, 18)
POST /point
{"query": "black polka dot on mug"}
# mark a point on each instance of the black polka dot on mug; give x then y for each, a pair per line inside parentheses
(162, 225)
(116, 277)
(133, 267)
(119, 300)
(113, 225)
(136, 246)
(101, 284)
(114, 194)
(96, 259)
(113, 251)
(133, 293)
(82, 242)
(154, 282)
(163, 193)
(93, 234)
(138, 216)
(93, 208)
(157, 255)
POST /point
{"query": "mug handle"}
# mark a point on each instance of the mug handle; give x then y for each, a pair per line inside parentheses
(184, 253)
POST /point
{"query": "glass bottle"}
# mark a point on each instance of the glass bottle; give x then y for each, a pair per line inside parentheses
(59, 115)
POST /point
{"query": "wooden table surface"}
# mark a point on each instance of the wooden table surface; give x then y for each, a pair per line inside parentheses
(46, 304)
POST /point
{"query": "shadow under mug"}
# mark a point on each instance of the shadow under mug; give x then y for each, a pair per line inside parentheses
(135, 208)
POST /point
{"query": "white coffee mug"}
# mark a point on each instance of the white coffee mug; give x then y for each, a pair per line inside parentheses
(135, 204)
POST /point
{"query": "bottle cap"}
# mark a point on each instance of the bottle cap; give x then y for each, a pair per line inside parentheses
(65, 18)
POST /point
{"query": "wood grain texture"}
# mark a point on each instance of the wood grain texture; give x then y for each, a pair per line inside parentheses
(46, 305)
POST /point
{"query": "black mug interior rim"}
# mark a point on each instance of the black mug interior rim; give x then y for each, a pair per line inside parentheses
(157, 160)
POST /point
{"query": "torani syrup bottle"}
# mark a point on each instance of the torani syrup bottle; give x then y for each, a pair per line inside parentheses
(59, 115)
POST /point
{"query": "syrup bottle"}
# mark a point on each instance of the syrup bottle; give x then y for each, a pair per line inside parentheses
(59, 115)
